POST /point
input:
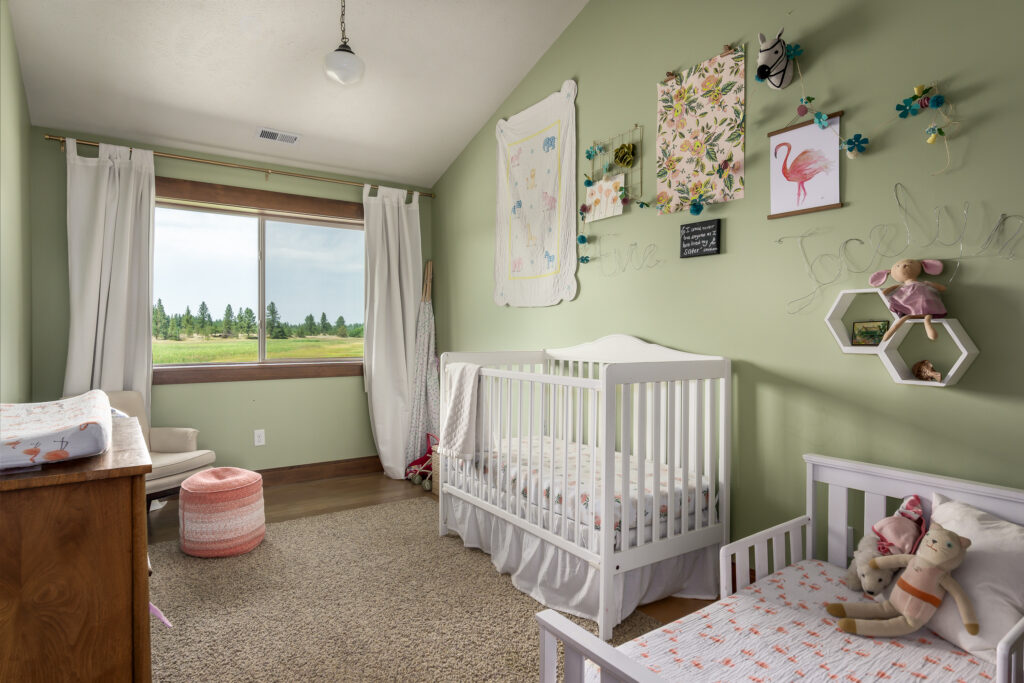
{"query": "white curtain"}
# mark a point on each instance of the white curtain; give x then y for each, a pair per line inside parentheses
(394, 267)
(425, 398)
(111, 206)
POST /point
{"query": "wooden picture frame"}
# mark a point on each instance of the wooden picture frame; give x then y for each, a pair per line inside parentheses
(810, 180)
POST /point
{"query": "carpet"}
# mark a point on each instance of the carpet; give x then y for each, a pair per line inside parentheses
(371, 594)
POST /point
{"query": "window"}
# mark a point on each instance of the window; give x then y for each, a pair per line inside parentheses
(257, 291)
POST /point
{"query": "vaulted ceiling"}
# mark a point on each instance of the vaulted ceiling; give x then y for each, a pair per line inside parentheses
(206, 75)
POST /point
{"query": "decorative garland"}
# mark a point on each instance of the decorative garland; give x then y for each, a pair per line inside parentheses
(923, 98)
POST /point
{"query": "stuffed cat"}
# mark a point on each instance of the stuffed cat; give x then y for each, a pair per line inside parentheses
(918, 592)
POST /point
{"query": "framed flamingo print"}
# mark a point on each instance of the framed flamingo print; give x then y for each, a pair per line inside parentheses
(804, 167)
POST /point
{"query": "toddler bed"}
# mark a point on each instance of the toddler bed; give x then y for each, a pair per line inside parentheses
(549, 425)
(776, 628)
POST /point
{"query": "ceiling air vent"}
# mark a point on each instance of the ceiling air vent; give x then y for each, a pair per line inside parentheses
(278, 136)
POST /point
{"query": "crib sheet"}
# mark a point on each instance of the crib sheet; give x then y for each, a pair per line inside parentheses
(540, 487)
(36, 433)
(777, 630)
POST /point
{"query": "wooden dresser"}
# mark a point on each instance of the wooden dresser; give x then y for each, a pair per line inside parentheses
(74, 587)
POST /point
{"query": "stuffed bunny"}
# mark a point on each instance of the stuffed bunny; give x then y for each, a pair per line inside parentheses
(918, 592)
(912, 299)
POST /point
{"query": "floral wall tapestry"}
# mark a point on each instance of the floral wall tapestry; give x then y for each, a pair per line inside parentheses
(701, 122)
(535, 225)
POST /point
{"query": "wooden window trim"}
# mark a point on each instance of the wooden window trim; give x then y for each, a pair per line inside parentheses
(213, 196)
(253, 372)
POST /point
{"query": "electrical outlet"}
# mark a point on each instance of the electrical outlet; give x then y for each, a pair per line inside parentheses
(259, 438)
(849, 541)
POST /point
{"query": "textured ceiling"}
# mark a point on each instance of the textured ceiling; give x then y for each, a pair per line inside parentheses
(207, 74)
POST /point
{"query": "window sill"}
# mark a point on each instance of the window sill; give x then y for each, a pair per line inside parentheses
(252, 372)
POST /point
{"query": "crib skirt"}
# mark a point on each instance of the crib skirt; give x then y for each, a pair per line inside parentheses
(562, 581)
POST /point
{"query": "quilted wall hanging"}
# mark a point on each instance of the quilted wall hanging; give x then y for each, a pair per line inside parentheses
(701, 123)
(535, 224)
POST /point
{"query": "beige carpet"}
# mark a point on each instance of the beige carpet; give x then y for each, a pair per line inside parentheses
(371, 594)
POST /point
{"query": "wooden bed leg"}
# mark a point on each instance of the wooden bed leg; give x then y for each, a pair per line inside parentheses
(548, 656)
(606, 603)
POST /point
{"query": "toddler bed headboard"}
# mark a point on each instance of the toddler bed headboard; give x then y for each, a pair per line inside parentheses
(879, 483)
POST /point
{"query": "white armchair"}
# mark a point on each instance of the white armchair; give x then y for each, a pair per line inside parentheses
(174, 450)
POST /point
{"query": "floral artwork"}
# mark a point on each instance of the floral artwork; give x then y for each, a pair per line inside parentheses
(604, 198)
(701, 123)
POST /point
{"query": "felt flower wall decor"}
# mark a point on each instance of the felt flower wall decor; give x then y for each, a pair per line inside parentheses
(908, 107)
(858, 143)
(821, 118)
(624, 154)
(936, 101)
(593, 151)
(793, 50)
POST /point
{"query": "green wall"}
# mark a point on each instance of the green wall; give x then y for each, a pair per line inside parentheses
(15, 274)
(309, 420)
(794, 391)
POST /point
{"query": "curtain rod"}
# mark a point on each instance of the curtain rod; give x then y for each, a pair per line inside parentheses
(265, 171)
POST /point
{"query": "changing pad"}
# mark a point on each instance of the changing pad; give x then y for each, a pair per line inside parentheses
(36, 433)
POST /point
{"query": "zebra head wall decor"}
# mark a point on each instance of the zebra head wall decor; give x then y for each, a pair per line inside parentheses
(774, 66)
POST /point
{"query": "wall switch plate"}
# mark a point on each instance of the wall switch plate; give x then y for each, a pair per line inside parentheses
(259, 438)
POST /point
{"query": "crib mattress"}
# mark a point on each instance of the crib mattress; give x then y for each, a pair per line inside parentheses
(777, 630)
(539, 488)
(35, 433)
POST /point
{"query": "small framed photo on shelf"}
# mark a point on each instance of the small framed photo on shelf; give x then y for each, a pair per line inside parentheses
(868, 333)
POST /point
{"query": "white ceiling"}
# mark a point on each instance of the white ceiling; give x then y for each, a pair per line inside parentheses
(205, 75)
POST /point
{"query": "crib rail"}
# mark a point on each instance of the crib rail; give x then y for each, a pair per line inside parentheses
(580, 646)
(769, 550)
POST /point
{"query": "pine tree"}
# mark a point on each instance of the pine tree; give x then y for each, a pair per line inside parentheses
(160, 321)
(203, 320)
(339, 327)
(275, 330)
(309, 325)
(325, 324)
(247, 320)
(228, 324)
(187, 322)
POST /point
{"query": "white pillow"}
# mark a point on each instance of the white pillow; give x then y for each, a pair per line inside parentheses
(992, 574)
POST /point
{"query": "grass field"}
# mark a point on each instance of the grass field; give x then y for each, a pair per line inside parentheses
(217, 350)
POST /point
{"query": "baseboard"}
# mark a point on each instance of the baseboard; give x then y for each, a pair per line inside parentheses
(293, 474)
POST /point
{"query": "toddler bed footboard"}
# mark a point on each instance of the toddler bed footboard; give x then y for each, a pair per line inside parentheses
(616, 452)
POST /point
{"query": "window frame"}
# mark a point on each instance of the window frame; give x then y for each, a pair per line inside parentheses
(266, 205)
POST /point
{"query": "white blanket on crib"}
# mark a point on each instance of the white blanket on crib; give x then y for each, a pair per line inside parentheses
(458, 425)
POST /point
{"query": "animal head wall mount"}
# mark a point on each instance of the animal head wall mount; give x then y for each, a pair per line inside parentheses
(774, 66)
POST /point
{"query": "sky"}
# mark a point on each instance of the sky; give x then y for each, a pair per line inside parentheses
(200, 256)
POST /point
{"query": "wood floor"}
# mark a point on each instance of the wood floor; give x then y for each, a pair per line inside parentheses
(291, 501)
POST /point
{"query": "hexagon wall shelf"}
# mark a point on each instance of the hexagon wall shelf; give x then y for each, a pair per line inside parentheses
(834, 319)
(889, 353)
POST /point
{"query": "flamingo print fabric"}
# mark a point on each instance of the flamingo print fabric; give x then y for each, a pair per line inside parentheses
(37, 433)
(777, 630)
(701, 124)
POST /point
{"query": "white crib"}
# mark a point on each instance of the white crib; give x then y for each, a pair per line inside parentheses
(550, 423)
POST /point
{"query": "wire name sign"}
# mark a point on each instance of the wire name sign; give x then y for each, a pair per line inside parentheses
(827, 268)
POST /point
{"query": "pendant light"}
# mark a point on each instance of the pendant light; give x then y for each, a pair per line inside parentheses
(343, 65)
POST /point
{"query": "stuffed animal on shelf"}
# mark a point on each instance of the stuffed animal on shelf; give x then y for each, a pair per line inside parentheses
(912, 298)
(774, 66)
(918, 592)
(861, 575)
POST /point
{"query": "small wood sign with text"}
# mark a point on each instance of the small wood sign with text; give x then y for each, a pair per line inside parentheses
(700, 239)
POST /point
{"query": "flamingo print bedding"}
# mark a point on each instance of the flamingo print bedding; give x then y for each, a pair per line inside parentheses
(36, 433)
(544, 483)
(777, 630)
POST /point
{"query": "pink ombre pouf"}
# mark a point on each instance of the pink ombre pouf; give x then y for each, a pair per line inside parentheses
(220, 512)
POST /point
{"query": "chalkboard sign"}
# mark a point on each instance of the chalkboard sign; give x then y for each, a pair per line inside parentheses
(700, 239)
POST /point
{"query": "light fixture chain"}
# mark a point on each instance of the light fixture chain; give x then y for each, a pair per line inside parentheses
(344, 38)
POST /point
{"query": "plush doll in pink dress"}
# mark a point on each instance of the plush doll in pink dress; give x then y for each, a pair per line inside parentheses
(911, 298)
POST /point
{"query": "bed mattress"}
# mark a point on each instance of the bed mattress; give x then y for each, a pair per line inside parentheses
(777, 630)
(36, 433)
(544, 483)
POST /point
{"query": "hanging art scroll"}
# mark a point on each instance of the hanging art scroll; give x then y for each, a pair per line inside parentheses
(701, 123)
(535, 225)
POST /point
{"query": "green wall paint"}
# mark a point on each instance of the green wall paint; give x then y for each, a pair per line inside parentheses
(794, 391)
(311, 420)
(15, 245)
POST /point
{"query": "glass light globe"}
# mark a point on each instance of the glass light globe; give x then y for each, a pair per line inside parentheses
(344, 66)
